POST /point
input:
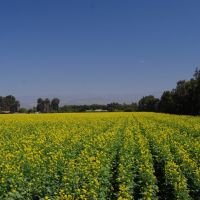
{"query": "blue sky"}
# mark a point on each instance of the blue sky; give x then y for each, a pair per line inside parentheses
(97, 46)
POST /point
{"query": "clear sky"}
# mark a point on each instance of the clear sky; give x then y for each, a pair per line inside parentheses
(97, 46)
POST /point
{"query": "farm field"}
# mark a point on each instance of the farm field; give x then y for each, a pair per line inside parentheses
(99, 156)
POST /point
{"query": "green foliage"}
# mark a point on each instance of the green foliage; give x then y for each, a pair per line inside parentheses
(122, 156)
(23, 110)
(9, 103)
(46, 106)
(184, 99)
(148, 103)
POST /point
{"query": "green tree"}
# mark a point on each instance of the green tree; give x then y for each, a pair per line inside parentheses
(1, 103)
(148, 103)
(15, 107)
(166, 103)
(9, 101)
(197, 91)
(40, 105)
(47, 104)
(55, 104)
(114, 107)
(23, 110)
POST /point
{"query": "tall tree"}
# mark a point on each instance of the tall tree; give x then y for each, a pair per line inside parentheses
(40, 105)
(1, 103)
(15, 107)
(47, 104)
(166, 103)
(8, 102)
(55, 104)
(197, 91)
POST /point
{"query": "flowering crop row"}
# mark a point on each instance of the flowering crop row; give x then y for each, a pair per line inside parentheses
(99, 156)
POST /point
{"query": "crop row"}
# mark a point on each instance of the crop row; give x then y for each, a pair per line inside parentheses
(99, 156)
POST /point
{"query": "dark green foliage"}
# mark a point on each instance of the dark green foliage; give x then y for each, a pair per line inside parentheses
(148, 103)
(9, 104)
(40, 105)
(166, 103)
(46, 106)
(55, 104)
(112, 107)
(23, 110)
(184, 99)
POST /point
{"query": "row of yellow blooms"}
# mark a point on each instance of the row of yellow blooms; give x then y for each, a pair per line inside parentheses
(99, 156)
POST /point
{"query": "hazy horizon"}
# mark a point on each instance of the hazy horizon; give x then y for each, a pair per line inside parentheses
(84, 99)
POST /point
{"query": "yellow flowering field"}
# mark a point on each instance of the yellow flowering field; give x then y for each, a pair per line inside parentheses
(99, 156)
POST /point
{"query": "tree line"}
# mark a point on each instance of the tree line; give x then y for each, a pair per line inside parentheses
(184, 99)
(48, 106)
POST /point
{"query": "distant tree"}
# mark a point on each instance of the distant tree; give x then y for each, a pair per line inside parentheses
(23, 110)
(197, 91)
(47, 104)
(43, 106)
(148, 103)
(9, 101)
(55, 104)
(40, 105)
(29, 111)
(1, 103)
(32, 110)
(15, 107)
(129, 107)
(184, 99)
(191, 101)
(166, 103)
(180, 93)
(197, 74)
(40, 100)
(114, 106)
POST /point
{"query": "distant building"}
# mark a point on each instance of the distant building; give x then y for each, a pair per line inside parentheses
(5, 112)
(100, 110)
(97, 110)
